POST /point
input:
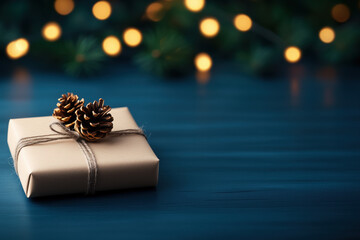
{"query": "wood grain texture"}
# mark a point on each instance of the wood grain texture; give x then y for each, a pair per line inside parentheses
(240, 157)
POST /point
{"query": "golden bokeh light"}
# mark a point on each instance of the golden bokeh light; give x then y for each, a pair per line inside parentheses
(194, 5)
(292, 54)
(111, 46)
(132, 37)
(154, 11)
(17, 48)
(102, 10)
(209, 27)
(327, 35)
(51, 31)
(242, 22)
(64, 7)
(203, 62)
(340, 13)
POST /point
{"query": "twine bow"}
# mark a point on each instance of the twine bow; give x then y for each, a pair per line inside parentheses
(66, 133)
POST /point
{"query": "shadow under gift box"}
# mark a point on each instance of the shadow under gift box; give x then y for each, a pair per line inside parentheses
(60, 167)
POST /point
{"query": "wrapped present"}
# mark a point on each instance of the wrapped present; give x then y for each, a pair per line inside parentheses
(70, 164)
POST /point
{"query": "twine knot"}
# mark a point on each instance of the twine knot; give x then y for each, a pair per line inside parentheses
(65, 131)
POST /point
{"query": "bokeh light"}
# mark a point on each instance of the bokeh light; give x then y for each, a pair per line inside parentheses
(292, 54)
(203, 62)
(51, 31)
(154, 11)
(242, 22)
(64, 7)
(209, 27)
(340, 13)
(194, 5)
(111, 46)
(327, 35)
(132, 37)
(101, 10)
(17, 48)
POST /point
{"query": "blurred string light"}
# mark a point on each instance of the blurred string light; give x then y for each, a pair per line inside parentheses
(17, 48)
(111, 46)
(209, 27)
(154, 11)
(340, 13)
(64, 7)
(203, 62)
(102, 10)
(132, 37)
(292, 54)
(194, 5)
(51, 31)
(327, 35)
(242, 22)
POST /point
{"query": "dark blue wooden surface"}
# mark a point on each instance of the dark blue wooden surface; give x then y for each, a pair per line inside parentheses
(240, 157)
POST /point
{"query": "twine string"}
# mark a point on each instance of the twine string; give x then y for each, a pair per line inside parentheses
(65, 133)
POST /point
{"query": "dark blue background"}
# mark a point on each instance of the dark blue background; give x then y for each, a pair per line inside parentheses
(240, 157)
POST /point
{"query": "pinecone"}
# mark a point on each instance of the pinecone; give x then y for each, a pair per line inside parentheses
(66, 108)
(94, 121)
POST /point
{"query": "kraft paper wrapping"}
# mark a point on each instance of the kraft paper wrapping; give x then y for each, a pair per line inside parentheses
(60, 167)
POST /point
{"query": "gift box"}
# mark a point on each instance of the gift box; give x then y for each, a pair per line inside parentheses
(60, 167)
